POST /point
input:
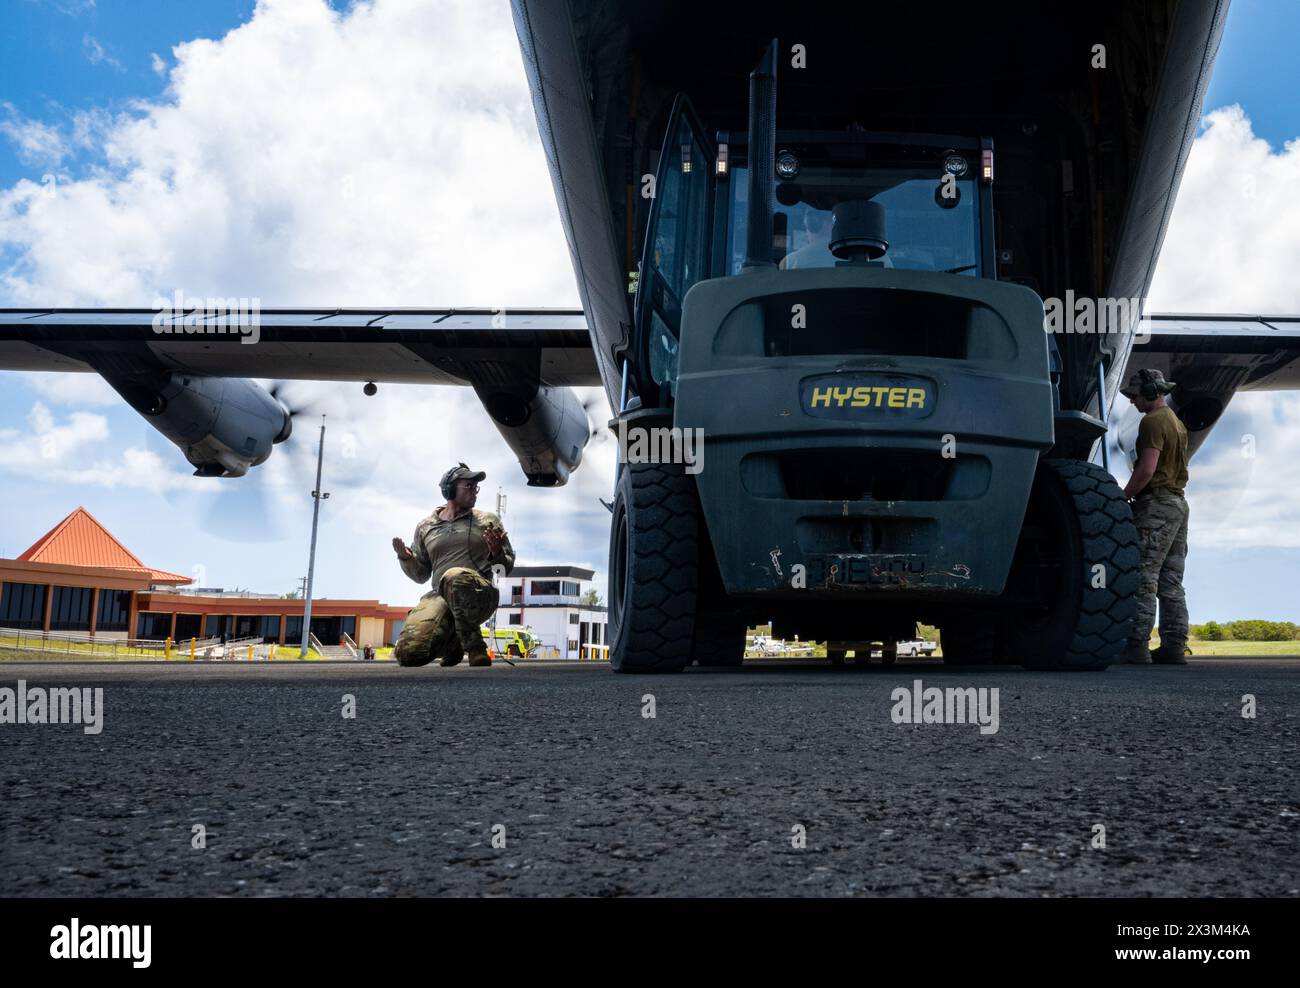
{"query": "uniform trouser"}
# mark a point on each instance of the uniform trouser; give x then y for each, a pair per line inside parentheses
(445, 623)
(1161, 520)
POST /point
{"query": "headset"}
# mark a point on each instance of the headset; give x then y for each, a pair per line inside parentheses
(448, 485)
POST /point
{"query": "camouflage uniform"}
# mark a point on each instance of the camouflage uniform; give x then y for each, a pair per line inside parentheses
(445, 623)
(1160, 515)
(1161, 519)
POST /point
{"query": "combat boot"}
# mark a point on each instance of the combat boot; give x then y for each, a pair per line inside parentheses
(1136, 654)
(452, 656)
(1169, 655)
(478, 656)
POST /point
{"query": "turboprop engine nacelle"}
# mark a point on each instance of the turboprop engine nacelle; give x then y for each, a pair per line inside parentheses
(222, 425)
(547, 431)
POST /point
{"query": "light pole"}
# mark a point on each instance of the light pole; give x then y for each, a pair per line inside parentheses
(317, 496)
(501, 510)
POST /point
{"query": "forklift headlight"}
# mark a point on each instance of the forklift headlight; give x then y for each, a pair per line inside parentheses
(787, 165)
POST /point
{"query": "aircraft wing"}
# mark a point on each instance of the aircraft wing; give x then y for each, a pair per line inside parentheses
(1210, 358)
(417, 346)
(1218, 352)
(191, 376)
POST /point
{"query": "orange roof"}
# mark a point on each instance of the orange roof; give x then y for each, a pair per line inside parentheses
(80, 540)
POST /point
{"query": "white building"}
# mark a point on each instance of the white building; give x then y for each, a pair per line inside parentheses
(547, 600)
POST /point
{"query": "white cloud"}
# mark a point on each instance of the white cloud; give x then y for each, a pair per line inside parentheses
(72, 8)
(384, 156)
(387, 155)
(1242, 491)
(37, 144)
(1232, 244)
(1234, 236)
(96, 54)
(74, 389)
(156, 63)
(75, 450)
(49, 444)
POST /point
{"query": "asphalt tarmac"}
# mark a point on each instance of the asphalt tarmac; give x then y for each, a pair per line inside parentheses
(591, 797)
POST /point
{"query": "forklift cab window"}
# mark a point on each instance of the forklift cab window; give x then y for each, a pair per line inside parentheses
(679, 246)
(928, 228)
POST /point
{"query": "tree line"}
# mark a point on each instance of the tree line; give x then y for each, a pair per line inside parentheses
(1253, 630)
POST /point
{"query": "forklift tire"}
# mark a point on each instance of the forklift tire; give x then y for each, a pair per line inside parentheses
(1079, 522)
(719, 639)
(654, 549)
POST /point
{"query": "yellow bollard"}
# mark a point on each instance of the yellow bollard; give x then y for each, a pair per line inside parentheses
(271, 656)
(167, 649)
(250, 653)
(193, 641)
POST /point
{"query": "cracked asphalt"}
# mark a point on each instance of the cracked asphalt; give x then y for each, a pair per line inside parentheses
(703, 799)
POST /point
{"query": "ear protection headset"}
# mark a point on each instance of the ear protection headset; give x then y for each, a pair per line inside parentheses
(448, 484)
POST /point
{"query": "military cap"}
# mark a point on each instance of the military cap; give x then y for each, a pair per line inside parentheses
(1148, 382)
(458, 473)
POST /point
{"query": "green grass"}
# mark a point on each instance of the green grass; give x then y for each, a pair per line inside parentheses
(1245, 648)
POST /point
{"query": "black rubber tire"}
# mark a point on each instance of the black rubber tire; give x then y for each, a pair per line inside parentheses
(1089, 524)
(654, 550)
(719, 639)
(970, 642)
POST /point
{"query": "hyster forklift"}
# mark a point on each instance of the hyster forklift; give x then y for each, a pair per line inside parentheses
(880, 414)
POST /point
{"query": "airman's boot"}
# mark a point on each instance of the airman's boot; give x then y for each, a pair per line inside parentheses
(479, 656)
(1170, 654)
(1136, 654)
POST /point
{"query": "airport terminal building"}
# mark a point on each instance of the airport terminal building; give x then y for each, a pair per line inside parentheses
(77, 579)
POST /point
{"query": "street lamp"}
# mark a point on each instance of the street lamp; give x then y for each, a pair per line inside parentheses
(317, 497)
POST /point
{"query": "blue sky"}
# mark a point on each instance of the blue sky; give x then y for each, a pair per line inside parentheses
(58, 57)
(300, 194)
(1257, 68)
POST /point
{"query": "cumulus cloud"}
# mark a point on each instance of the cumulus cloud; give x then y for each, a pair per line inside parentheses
(37, 144)
(1231, 246)
(383, 156)
(1244, 484)
(49, 442)
(73, 389)
(73, 450)
(1234, 236)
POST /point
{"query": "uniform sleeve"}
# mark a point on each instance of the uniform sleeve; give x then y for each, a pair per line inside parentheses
(507, 553)
(507, 557)
(419, 568)
(1149, 435)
